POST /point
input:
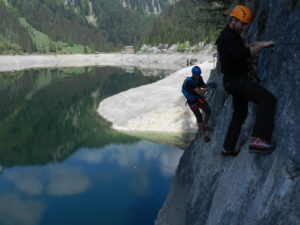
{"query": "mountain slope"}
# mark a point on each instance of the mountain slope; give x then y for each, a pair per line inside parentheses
(188, 20)
(101, 25)
(147, 6)
(13, 36)
(60, 22)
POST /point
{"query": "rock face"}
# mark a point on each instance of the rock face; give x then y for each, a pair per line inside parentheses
(249, 189)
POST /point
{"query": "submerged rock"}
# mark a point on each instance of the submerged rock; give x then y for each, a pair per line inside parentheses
(249, 189)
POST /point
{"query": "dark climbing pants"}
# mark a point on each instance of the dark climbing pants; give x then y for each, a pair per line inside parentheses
(242, 92)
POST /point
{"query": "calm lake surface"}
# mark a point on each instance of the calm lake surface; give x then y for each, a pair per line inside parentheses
(59, 161)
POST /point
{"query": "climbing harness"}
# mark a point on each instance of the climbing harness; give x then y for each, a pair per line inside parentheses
(207, 95)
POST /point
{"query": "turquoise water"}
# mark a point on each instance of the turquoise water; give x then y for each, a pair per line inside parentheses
(59, 161)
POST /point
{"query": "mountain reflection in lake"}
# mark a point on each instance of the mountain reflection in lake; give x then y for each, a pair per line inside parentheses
(60, 162)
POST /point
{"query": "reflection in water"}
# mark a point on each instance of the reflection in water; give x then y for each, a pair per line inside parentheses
(14, 210)
(125, 180)
(63, 165)
(56, 180)
(26, 181)
(46, 114)
(67, 181)
(129, 156)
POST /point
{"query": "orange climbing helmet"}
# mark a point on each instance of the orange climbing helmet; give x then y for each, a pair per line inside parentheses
(242, 13)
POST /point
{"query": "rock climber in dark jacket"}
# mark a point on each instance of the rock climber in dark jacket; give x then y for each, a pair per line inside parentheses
(193, 88)
(233, 58)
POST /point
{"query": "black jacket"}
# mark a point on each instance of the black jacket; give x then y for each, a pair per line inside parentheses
(233, 55)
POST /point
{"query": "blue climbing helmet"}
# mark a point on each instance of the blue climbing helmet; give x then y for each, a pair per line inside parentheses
(196, 71)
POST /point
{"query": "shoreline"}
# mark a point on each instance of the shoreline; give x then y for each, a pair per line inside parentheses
(159, 106)
(174, 61)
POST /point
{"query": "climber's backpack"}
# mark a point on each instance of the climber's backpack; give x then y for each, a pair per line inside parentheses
(187, 93)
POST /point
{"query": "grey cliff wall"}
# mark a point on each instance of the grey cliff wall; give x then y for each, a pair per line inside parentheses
(249, 189)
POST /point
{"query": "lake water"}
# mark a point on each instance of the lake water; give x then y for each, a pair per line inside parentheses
(59, 161)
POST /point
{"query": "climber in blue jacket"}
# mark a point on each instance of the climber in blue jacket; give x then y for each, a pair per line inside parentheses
(233, 58)
(193, 88)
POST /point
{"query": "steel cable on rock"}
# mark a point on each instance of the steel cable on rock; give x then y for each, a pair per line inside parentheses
(262, 58)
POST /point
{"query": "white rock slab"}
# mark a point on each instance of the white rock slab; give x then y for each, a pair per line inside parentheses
(159, 106)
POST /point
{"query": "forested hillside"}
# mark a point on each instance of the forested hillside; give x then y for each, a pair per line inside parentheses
(13, 36)
(148, 6)
(85, 26)
(70, 25)
(189, 20)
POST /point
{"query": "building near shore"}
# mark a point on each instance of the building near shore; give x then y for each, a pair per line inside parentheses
(128, 49)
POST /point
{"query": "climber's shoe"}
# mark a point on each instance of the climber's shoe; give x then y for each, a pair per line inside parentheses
(226, 153)
(257, 145)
